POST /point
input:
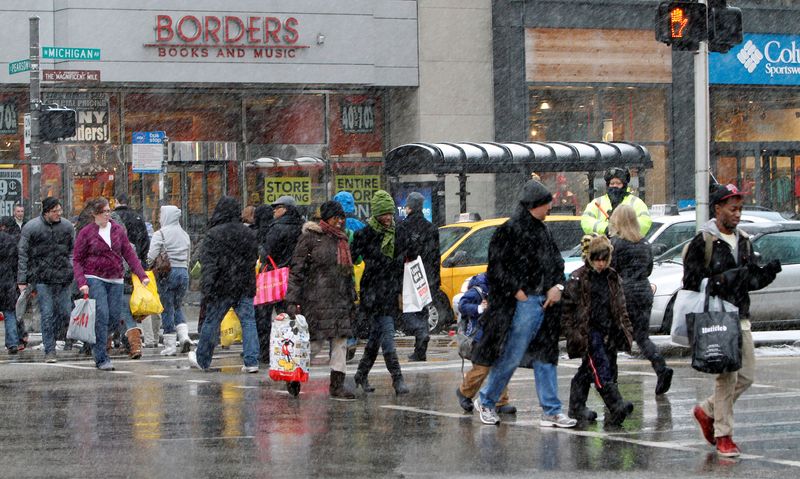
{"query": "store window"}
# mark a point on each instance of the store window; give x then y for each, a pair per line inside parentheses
(603, 113)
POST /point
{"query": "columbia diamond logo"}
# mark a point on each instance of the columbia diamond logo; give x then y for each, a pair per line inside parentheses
(750, 56)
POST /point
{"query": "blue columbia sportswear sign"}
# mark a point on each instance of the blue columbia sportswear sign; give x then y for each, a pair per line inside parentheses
(761, 59)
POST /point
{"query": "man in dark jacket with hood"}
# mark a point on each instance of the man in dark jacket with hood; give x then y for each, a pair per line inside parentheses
(283, 232)
(732, 273)
(228, 281)
(525, 272)
(135, 226)
(45, 261)
(416, 236)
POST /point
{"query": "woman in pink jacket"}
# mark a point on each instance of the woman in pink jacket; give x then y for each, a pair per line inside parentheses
(97, 262)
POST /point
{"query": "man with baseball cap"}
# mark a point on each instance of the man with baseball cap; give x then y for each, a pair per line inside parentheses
(45, 261)
(598, 211)
(732, 273)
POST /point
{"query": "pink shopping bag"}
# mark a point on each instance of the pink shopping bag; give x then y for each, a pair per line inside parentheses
(271, 285)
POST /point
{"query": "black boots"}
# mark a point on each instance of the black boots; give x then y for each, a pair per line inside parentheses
(364, 367)
(338, 389)
(578, 392)
(618, 408)
(420, 349)
(664, 381)
(393, 365)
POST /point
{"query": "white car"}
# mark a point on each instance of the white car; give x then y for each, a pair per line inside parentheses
(775, 307)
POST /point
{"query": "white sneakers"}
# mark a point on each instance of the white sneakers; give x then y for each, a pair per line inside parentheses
(558, 420)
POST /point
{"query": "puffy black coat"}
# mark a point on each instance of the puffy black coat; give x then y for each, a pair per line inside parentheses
(281, 238)
(229, 255)
(8, 271)
(137, 231)
(417, 236)
(522, 255)
(324, 289)
(728, 280)
(633, 262)
(382, 281)
(45, 252)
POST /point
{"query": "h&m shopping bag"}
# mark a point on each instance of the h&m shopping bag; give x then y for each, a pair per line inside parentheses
(716, 339)
(230, 330)
(144, 299)
(289, 349)
(81, 321)
(416, 290)
(271, 285)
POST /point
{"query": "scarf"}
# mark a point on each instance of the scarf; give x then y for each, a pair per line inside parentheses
(342, 246)
(387, 242)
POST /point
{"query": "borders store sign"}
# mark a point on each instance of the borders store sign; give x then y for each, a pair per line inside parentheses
(761, 59)
(92, 110)
(248, 37)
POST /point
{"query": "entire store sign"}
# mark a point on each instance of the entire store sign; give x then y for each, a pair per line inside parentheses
(298, 187)
(362, 187)
(761, 59)
(226, 36)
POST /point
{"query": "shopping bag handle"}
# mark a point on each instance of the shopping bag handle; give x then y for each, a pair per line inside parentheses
(85, 296)
(272, 262)
(708, 296)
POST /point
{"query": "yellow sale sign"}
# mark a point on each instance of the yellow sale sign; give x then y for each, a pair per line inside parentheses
(296, 186)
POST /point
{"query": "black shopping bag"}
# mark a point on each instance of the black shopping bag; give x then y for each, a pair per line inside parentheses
(716, 339)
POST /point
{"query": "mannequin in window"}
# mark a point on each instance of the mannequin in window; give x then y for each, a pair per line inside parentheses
(564, 201)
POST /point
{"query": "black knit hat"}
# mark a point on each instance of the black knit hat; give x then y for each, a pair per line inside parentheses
(330, 209)
(49, 203)
(534, 194)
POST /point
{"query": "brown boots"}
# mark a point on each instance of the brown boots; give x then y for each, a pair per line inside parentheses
(134, 336)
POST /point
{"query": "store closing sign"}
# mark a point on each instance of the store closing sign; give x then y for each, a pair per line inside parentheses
(10, 191)
(295, 186)
(362, 187)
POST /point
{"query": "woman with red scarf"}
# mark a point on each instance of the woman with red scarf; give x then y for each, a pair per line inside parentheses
(321, 287)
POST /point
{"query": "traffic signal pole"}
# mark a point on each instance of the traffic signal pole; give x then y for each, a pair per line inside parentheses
(35, 104)
(702, 133)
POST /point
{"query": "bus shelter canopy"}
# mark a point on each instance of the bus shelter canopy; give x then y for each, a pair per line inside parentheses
(513, 157)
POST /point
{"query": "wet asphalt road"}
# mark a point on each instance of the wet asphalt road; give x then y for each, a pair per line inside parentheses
(157, 418)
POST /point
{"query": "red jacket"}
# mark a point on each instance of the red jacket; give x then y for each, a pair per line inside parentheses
(94, 257)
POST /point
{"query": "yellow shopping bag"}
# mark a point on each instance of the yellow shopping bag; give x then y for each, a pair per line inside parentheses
(144, 299)
(230, 330)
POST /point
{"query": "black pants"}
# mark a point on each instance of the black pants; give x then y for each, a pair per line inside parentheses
(639, 315)
(416, 324)
(264, 328)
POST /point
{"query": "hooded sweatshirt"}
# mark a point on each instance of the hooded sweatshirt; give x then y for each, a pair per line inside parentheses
(345, 198)
(171, 238)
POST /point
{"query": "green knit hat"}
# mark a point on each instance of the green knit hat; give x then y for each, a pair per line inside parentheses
(382, 203)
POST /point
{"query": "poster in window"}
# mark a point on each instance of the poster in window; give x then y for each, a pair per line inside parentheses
(93, 117)
(358, 117)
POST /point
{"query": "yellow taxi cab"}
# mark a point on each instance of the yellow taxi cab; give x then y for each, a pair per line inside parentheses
(464, 246)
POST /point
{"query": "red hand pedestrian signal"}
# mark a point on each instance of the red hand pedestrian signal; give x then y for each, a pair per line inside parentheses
(677, 22)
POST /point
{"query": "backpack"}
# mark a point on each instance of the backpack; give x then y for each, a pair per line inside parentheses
(465, 338)
(709, 247)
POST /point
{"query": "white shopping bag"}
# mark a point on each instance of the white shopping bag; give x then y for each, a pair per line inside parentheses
(688, 301)
(81, 321)
(289, 349)
(416, 290)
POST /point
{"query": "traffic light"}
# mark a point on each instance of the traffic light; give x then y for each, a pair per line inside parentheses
(724, 26)
(56, 123)
(682, 24)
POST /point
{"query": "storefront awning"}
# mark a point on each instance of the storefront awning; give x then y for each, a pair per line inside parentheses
(452, 158)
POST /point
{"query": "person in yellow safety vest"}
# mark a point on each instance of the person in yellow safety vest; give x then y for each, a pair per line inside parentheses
(598, 211)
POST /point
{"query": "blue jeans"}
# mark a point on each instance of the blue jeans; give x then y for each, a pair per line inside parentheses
(381, 334)
(547, 387)
(125, 314)
(11, 328)
(209, 333)
(54, 310)
(528, 317)
(171, 291)
(108, 304)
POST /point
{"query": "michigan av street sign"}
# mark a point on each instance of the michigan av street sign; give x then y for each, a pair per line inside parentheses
(66, 53)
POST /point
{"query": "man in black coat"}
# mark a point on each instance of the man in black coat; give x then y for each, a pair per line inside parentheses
(525, 272)
(417, 236)
(8, 280)
(135, 226)
(283, 233)
(228, 281)
(732, 273)
(45, 263)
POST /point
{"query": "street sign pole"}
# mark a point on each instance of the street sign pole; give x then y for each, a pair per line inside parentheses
(702, 133)
(35, 103)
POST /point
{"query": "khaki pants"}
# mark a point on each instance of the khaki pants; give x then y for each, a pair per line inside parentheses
(473, 381)
(728, 388)
(338, 359)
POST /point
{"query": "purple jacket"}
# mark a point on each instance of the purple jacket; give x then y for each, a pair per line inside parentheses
(93, 256)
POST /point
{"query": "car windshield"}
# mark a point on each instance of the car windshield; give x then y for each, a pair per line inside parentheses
(566, 234)
(449, 236)
(673, 255)
(653, 228)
